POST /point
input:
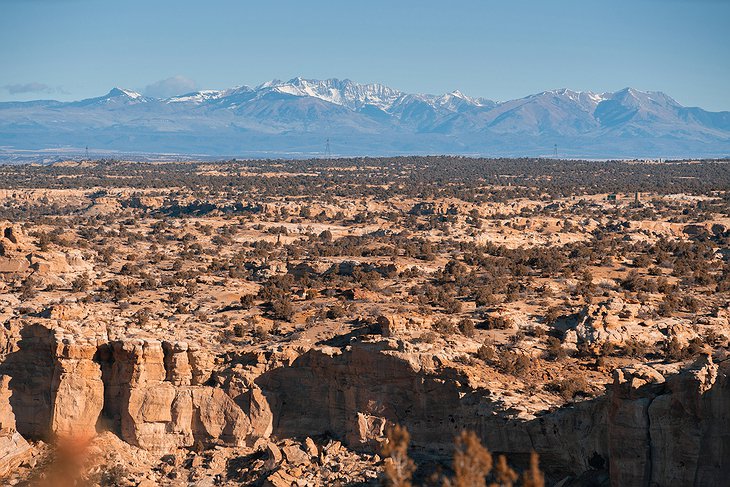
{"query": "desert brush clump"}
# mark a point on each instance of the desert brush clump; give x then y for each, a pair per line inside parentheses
(399, 467)
(472, 464)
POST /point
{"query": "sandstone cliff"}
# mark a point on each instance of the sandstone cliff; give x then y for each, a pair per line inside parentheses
(653, 427)
(150, 392)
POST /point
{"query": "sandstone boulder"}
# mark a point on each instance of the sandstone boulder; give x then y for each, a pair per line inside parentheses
(13, 447)
(66, 312)
(49, 263)
(393, 324)
(295, 455)
(10, 265)
(7, 417)
(280, 479)
(312, 448)
(273, 456)
(14, 450)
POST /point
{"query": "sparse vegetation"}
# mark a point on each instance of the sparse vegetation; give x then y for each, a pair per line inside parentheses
(513, 282)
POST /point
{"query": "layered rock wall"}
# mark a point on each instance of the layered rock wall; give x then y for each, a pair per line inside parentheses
(647, 430)
(670, 431)
(650, 428)
(77, 391)
(356, 393)
(151, 393)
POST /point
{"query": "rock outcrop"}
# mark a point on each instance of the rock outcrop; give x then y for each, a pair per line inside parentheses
(670, 431)
(77, 391)
(653, 427)
(150, 392)
(358, 391)
(10, 265)
(155, 396)
(648, 430)
(13, 447)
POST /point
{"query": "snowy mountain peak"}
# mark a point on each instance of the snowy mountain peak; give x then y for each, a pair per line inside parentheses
(585, 100)
(344, 92)
(269, 84)
(197, 96)
(356, 96)
(115, 97)
(470, 99)
(457, 99)
(563, 92)
(133, 95)
(644, 99)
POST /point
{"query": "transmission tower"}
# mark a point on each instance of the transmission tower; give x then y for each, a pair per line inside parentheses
(555, 151)
(327, 151)
(87, 153)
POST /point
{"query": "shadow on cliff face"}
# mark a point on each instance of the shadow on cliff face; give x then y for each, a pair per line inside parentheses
(347, 338)
(30, 369)
(35, 370)
(672, 430)
(113, 380)
(650, 429)
(352, 394)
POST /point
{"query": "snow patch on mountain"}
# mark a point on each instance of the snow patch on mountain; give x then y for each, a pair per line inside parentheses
(197, 97)
(132, 94)
(340, 92)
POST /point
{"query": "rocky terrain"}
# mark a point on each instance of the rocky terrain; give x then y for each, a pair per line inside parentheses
(269, 322)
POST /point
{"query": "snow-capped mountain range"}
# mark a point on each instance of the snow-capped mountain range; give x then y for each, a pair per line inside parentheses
(297, 117)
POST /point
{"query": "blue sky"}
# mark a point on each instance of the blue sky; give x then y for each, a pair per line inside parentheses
(72, 49)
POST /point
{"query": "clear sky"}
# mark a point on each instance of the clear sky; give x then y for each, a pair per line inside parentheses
(73, 49)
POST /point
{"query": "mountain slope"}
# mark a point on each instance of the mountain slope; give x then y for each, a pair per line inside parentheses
(296, 117)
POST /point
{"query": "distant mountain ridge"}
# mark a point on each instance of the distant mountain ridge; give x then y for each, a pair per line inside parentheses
(296, 117)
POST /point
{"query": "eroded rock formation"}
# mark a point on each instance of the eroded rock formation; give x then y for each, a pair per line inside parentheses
(648, 430)
(13, 447)
(673, 430)
(150, 392)
(653, 427)
(77, 391)
(356, 392)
